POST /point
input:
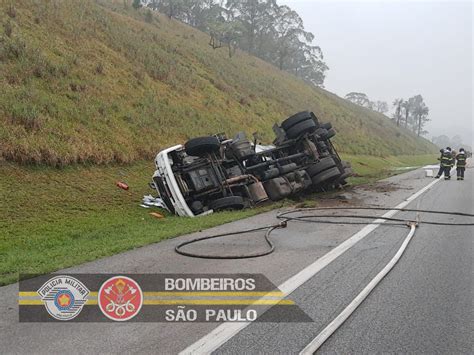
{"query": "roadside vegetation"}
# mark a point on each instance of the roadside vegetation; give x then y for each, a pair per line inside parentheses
(100, 82)
(57, 218)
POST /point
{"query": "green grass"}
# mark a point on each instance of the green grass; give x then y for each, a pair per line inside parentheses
(56, 218)
(95, 82)
(370, 168)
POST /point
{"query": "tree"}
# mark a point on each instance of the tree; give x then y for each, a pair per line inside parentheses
(172, 8)
(358, 98)
(406, 105)
(397, 103)
(254, 16)
(455, 142)
(380, 106)
(288, 28)
(273, 33)
(442, 141)
(419, 114)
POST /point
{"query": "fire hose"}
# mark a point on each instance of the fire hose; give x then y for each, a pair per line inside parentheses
(288, 216)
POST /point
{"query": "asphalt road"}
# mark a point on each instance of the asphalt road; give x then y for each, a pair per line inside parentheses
(423, 306)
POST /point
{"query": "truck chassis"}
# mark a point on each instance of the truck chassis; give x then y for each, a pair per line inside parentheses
(214, 173)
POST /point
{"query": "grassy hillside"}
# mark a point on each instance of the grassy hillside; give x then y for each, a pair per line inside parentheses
(96, 81)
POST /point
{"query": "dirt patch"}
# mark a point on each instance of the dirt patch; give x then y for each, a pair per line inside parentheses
(336, 199)
(383, 187)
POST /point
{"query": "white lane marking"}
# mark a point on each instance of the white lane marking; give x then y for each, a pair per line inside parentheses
(222, 333)
(319, 340)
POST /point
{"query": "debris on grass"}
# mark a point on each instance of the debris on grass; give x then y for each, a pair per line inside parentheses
(122, 185)
(150, 201)
(157, 215)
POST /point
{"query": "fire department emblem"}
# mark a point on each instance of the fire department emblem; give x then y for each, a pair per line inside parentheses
(63, 297)
(120, 298)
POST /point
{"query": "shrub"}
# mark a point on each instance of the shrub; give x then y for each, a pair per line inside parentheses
(11, 11)
(26, 115)
(8, 28)
(12, 49)
(99, 69)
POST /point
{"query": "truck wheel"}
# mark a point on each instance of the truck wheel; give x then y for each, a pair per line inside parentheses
(331, 133)
(348, 172)
(199, 146)
(227, 203)
(295, 119)
(301, 128)
(326, 176)
(346, 164)
(326, 125)
(322, 165)
(321, 132)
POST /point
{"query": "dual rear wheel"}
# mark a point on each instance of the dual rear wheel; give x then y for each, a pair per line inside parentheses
(302, 123)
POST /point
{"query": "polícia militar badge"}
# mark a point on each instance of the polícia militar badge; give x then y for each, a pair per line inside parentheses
(64, 297)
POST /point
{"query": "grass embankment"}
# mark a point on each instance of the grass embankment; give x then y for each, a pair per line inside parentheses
(370, 168)
(99, 82)
(57, 218)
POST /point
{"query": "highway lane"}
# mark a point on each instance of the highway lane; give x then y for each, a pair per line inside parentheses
(423, 306)
(426, 304)
(298, 246)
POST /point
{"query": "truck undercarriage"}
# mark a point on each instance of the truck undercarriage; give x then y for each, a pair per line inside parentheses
(214, 173)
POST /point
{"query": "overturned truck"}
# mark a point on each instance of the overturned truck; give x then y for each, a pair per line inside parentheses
(215, 173)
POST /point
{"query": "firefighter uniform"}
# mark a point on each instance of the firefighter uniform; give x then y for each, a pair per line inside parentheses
(447, 162)
(461, 164)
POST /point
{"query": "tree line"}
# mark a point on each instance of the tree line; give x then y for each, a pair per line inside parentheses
(455, 142)
(262, 28)
(411, 114)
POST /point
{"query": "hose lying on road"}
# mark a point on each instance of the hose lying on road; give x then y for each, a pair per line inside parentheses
(319, 340)
(318, 218)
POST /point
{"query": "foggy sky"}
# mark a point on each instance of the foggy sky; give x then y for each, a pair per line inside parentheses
(390, 49)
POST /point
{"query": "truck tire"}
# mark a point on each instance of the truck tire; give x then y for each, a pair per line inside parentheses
(326, 125)
(295, 119)
(348, 172)
(301, 128)
(321, 132)
(322, 165)
(227, 203)
(331, 133)
(326, 176)
(199, 146)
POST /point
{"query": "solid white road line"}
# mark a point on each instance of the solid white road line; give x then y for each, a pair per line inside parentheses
(316, 343)
(221, 334)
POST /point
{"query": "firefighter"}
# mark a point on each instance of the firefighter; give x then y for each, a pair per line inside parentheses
(461, 164)
(447, 162)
